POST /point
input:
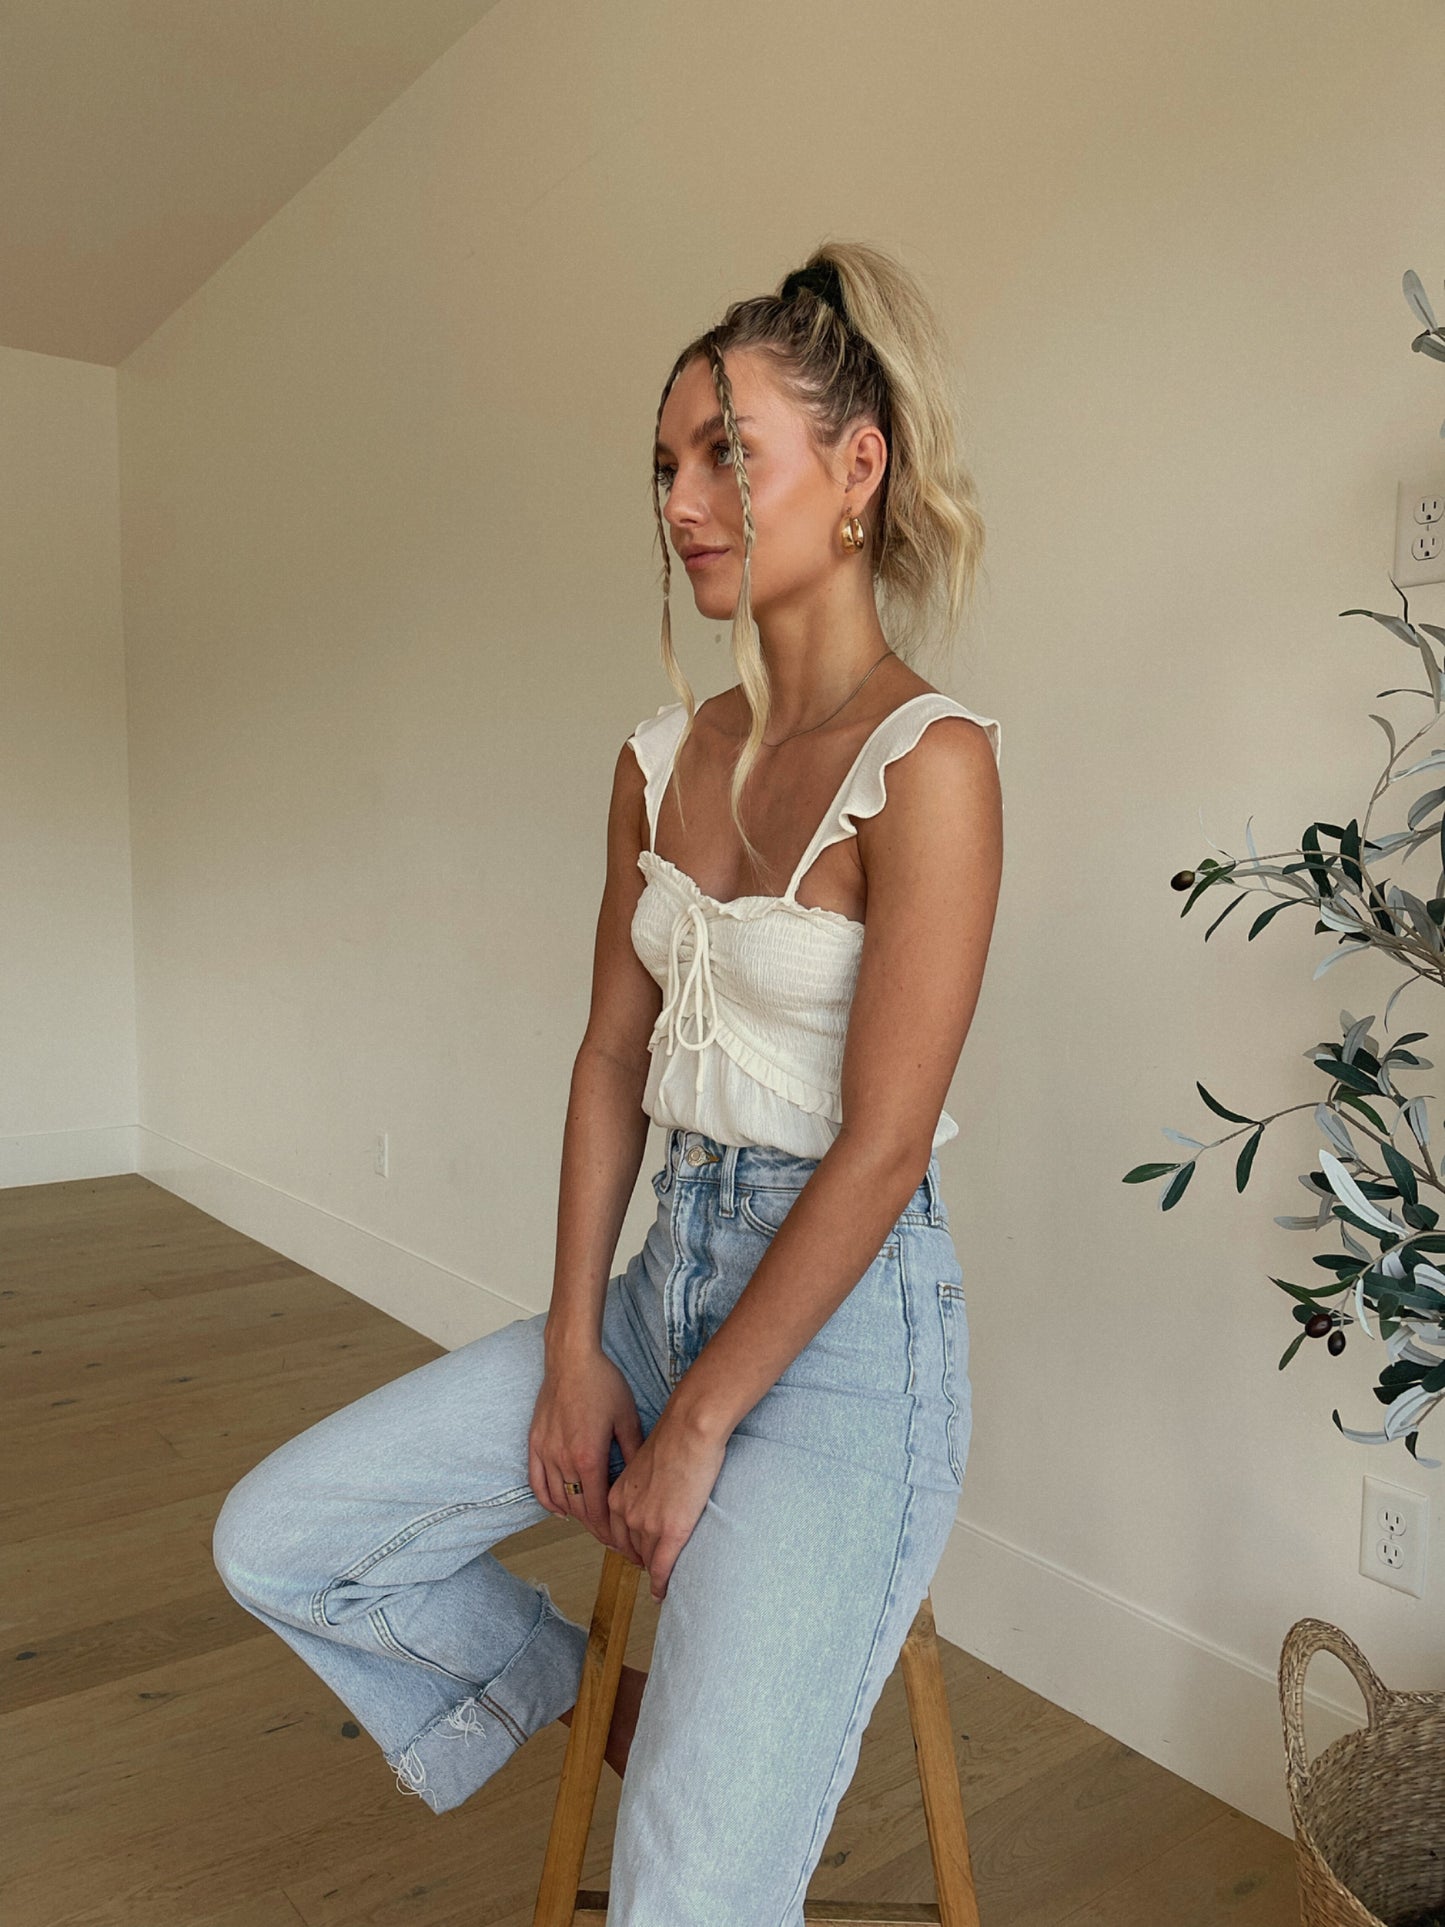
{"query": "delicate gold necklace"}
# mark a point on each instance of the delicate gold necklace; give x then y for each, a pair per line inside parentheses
(829, 717)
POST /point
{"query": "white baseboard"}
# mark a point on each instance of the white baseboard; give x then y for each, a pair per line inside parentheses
(1207, 1714)
(58, 1157)
(442, 1305)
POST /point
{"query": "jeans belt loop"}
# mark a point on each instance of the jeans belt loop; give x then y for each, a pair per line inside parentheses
(935, 1196)
(727, 1180)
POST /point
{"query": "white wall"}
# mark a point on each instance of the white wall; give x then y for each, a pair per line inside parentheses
(391, 606)
(67, 986)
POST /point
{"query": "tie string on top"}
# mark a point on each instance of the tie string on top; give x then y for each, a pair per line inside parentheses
(693, 994)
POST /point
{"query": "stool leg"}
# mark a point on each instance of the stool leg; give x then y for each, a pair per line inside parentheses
(938, 1771)
(557, 1893)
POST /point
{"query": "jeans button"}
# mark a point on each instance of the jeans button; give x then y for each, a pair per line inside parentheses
(697, 1155)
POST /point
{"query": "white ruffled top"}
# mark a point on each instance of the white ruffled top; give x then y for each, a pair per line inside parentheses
(748, 1047)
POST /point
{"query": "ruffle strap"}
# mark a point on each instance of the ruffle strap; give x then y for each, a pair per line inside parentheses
(864, 790)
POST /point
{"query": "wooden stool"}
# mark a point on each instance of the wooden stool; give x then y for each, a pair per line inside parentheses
(561, 1903)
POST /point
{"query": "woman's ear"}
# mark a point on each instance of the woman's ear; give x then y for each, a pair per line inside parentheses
(866, 460)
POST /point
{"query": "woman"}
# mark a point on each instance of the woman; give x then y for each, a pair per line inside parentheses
(769, 1408)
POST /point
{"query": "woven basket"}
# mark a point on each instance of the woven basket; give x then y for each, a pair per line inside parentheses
(1369, 1812)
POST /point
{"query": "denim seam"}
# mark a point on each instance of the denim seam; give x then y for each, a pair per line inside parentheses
(947, 1294)
(864, 1676)
(907, 1216)
(472, 1698)
(905, 1306)
(386, 1635)
(649, 1406)
(766, 1230)
(505, 1719)
(548, 1612)
(500, 1712)
(749, 1216)
(404, 1537)
(674, 1329)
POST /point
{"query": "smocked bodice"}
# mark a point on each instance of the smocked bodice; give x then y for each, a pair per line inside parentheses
(748, 1046)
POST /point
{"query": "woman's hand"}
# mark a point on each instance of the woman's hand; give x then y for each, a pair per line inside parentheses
(583, 1402)
(659, 1496)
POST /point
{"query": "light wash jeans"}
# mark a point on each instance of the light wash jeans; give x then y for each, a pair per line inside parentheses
(366, 1543)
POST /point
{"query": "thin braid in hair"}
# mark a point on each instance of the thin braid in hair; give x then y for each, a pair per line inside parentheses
(669, 654)
(746, 651)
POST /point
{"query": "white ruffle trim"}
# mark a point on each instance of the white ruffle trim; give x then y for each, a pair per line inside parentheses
(801, 1092)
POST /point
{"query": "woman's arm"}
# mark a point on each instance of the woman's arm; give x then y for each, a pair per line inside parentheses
(933, 857)
(606, 1127)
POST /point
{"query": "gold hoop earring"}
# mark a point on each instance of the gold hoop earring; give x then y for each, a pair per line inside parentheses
(853, 536)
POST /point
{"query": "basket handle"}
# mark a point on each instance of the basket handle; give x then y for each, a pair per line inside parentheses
(1303, 1640)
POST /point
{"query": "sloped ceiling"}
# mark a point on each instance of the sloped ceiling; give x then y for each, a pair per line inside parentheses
(143, 141)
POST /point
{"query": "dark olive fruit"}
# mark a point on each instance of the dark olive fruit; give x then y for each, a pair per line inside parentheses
(1182, 880)
(1319, 1324)
(1336, 1342)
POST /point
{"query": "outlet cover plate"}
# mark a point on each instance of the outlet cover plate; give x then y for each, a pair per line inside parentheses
(1412, 571)
(1394, 1523)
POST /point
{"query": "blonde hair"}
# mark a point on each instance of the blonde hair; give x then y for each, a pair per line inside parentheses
(884, 360)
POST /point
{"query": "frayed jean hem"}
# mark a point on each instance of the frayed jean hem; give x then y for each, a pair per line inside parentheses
(459, 1751)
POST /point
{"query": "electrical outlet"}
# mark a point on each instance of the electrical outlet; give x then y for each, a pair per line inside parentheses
(1393, 1536)
(1419, 532)
(383, 1154)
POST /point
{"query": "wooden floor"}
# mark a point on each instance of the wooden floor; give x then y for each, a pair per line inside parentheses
(167, 1762)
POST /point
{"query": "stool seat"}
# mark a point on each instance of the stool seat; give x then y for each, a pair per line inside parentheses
(562, 1903)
